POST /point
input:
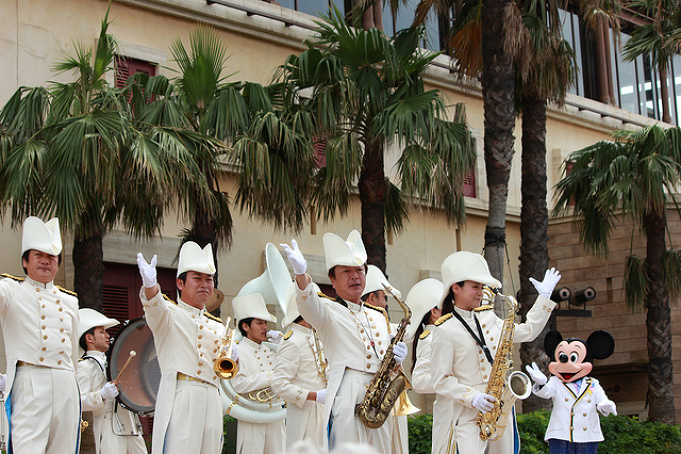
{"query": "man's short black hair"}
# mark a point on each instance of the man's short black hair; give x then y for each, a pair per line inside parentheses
(247, 321)
(183, 278)
(82, 342)
(25, 255)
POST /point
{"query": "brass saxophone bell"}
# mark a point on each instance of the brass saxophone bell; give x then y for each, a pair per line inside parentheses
(404, 406)
(225, 367)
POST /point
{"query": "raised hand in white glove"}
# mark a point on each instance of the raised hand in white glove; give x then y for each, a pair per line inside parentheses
(274, 336)
(483, 402)
(2, 382)
(321, 396)
(545, 287)
(400, 352)
(295, 257)
(607, 407)
(109, 391)
(147, 270)
(536, 375)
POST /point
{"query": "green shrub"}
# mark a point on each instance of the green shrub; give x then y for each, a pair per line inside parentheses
(623, 435)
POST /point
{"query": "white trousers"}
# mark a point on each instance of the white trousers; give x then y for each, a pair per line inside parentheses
(195, 424)
(306, 424)
(109, 443)
(253, 438)
(45, 414)
(345, 426)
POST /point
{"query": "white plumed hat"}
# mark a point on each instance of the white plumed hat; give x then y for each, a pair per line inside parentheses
(465, 266)
(376, 280)
(251, 306)
(193, 258)
(348, 252)
(41, 236)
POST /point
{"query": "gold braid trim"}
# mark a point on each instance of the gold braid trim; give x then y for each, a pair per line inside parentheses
(443, 319)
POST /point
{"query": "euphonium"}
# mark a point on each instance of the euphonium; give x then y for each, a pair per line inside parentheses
(386, 387)
(504, 385)
(225, 367)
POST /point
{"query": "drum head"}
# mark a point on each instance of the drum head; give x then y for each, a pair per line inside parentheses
(138, 385)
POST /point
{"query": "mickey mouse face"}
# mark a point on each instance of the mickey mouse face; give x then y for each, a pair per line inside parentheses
(570, 364)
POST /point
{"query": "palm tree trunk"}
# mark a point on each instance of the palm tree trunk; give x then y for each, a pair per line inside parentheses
(658, 324)
(372, 198)
(534, 215)
(498, 93)
(664, 94)
(88, 268)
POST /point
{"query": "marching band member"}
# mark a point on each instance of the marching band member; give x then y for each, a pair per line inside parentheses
(420, 300)
(300, 378)
(374, 296)
(40, 326)
(188, 412)
(464, 345)
(256, 362)
(355, 336)
(117, 430)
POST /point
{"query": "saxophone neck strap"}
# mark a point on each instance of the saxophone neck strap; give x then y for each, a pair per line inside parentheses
(480, 340)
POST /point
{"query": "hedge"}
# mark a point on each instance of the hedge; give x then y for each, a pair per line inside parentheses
(623, 435)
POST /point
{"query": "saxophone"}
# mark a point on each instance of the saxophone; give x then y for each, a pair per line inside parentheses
(504, 385)
(225, 367)
(386, 386)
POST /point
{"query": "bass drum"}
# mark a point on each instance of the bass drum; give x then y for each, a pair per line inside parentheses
(139, 383)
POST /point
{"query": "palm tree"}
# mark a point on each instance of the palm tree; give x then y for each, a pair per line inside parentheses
(266, 147)
(634, 177)
(72, 150)
(659, 39)
(366, 91)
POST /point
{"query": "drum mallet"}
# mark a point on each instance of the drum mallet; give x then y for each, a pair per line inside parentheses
(132, 354)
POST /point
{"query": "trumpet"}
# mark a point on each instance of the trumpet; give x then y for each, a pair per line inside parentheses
(225, 367)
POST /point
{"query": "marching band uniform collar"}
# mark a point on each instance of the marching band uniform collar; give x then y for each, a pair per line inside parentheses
(353, 306)
(255, 345)
(303, 329)
(468, 315)
(189, 308)
(96, 354)
(48, 286)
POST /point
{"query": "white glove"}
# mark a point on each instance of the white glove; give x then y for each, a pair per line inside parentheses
(235, 352)
(400, 352)
(536, 375)
(295, 257)
(321, 397)
(545, 287)
(274, 336)
(607, 407)
(109, 391)
(147, 270)
(2, 382)
(483, 402)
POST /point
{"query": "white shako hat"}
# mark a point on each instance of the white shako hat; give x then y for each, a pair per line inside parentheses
(41, 236)
(422, 297)
(375, 281)
(193, 258)
(291, 304)
(465, 266)
(90, 318)
(350, 252)
(251, 306)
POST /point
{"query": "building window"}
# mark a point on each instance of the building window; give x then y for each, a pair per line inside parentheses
(469, 184)
(126, 67)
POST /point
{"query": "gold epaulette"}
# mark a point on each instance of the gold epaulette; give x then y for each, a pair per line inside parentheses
(322, 295)
(443, 319)
(424, 334)
(167, 298)
(212, 317)
(70, 292)
(484, 307)
(288, 334)
(14, 278)
(382, 311)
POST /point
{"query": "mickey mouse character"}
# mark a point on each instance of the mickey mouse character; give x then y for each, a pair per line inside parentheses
(574, 426)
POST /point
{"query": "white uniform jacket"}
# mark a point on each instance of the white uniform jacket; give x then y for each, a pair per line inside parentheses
(128, 438)
(40, 326)
(297, 371)
(347, 333)
(187, 341)
(574, 416)
(256, 362)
